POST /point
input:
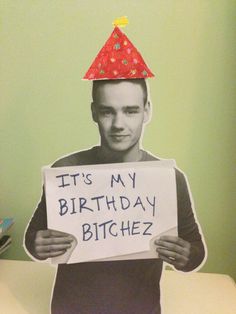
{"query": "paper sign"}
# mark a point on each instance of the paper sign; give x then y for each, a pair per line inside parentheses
(112, 210)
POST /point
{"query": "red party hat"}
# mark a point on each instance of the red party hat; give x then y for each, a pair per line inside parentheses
(118, 59)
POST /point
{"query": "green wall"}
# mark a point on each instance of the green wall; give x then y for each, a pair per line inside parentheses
(46, 47)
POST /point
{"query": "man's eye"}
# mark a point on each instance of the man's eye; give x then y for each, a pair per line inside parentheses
(131, 111)
(105, 112)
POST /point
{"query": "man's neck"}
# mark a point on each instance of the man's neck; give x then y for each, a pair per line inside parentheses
(109, 156)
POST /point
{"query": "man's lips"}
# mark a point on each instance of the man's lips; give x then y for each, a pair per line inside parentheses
(119, 137)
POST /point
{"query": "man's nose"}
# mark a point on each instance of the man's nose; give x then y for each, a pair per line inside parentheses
(118, 121)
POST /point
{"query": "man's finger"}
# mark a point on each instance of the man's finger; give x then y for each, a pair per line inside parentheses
(168, 254)
(52, 233)
(53, 240)
(175, 263)
(50, 254)
(173, 239)
(172, 256)
(167, 259)
(173, 247)
(52, 248)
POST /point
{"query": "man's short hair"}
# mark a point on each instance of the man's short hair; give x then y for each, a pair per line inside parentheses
(142, 82)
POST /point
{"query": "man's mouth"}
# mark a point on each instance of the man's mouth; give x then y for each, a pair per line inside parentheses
(119, 137)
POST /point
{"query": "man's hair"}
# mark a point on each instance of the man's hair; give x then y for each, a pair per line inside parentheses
(141, 82)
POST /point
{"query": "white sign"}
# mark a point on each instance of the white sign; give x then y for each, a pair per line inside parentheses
(112, 210)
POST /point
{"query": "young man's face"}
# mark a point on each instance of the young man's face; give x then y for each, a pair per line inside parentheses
(120, 112)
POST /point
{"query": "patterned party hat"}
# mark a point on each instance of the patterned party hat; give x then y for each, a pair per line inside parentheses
(118, 58)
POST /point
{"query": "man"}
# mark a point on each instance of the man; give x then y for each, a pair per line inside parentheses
(120, 108)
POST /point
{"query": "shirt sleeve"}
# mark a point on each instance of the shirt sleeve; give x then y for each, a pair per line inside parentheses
(188, 228)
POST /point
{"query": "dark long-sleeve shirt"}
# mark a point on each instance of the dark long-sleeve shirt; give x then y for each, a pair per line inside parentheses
(115, 287)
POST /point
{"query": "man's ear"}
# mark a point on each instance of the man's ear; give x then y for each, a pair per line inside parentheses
(147, 112)
(94, 112)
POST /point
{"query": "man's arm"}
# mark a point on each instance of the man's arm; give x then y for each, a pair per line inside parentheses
(41, 242)
(185, 252)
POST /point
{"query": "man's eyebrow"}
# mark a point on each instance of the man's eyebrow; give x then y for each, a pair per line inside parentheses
(102, 106)
(132, 107)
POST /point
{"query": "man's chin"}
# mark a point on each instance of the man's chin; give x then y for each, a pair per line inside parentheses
(119, 148)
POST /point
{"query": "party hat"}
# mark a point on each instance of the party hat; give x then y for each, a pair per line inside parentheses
(118, 58)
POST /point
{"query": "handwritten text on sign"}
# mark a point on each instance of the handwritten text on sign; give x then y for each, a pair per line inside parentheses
(112, 210)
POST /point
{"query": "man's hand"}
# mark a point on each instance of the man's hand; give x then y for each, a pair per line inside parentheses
(51, 243)
(173, 250)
